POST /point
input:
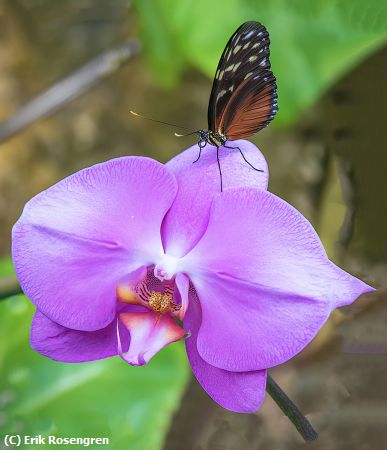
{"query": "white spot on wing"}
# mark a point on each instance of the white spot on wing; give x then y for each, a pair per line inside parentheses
(248, 75)
(236, 49)
(253, 58)
(236, 66)
(221, 93)
(246, 45)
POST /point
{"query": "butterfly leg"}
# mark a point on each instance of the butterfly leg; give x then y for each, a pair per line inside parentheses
(201, 145)
(244, 157)
(220, 170)
(200, 154)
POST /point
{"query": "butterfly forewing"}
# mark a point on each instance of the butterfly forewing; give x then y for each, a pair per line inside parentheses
(243, 98)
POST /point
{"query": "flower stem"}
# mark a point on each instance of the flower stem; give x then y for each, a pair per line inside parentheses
(303, 426)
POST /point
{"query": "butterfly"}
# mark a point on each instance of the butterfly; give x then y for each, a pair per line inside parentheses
(243, 97)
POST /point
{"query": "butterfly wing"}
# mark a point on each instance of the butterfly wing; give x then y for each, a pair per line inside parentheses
(244, 93)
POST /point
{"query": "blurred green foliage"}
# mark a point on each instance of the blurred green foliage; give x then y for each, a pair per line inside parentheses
(313, 43)
(6, 267)
(130, 405)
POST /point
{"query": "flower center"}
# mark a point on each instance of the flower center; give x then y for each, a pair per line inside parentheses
(166, 268)
(162, 302)
(151, 292)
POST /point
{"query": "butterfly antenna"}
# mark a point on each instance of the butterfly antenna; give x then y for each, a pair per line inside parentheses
(183, 135)
(158, 121)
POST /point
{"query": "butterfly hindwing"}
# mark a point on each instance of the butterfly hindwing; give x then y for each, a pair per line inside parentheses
(251, 108)
(243, 98)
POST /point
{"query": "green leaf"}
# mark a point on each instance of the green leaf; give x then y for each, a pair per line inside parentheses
(313, 42)
(130, 405)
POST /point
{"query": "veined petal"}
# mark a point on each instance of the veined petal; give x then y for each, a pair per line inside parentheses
(264, 282)
(149, 333)
(237, 391)
(247, 326)
(198, 183)
(77, 239)
(63, 344)
(255, 236)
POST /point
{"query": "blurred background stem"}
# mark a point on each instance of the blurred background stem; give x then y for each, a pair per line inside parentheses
(70, 87)
(9, 286)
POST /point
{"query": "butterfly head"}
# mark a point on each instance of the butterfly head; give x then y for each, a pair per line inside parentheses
(204, 136)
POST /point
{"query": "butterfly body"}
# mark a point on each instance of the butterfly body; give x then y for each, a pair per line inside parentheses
(210, 137)
(243, 97)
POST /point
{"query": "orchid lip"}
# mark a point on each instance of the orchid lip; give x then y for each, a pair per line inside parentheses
(155, 327)
(159, 297)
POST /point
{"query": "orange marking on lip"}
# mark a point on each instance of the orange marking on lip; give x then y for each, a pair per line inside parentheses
(127, 295)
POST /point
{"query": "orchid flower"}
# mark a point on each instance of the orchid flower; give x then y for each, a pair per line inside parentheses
(130, 255)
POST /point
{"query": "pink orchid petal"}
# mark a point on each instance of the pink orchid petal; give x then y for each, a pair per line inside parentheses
(63, 344)
(264, 281)
(241, 392)
(248, 326)
(198, 183)
(77, 239)
(149, 333)
(256, 236)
